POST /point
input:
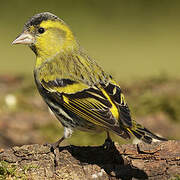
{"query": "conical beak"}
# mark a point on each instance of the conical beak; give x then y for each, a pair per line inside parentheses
(24, 38)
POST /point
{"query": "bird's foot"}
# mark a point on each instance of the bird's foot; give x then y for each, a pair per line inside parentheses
(108, 144)
(54, 147)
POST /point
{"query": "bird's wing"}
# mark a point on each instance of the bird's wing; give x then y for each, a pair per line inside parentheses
(114, 91)
(94, 104)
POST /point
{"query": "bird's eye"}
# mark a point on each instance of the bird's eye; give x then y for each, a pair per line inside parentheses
(41, 30)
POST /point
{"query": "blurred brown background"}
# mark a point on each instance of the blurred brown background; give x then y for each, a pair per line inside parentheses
(137, 42)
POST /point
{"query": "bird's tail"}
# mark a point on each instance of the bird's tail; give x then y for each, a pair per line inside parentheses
(143, 134)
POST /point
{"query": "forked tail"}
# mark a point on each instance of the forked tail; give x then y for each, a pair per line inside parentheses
(144, 134)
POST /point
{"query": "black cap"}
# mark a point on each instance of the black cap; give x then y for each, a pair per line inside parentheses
(38, 18)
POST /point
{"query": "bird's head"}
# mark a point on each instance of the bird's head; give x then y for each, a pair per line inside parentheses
(47, 35)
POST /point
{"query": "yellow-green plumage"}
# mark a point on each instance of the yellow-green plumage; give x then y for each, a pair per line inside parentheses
(74, 86)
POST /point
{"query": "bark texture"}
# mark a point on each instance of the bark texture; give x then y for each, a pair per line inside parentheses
(160, 160)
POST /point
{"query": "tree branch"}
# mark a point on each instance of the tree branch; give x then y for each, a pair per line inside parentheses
(161, 160)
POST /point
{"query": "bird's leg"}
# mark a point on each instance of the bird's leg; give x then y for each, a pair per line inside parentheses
(108, 142)
(57, 143)
(55, 149)
(55, 146)
(67, 133)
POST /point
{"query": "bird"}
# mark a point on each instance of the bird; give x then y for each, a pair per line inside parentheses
(77, 90)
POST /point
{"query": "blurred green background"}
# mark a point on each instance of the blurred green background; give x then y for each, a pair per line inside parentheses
(137, 41)
(129, 38)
